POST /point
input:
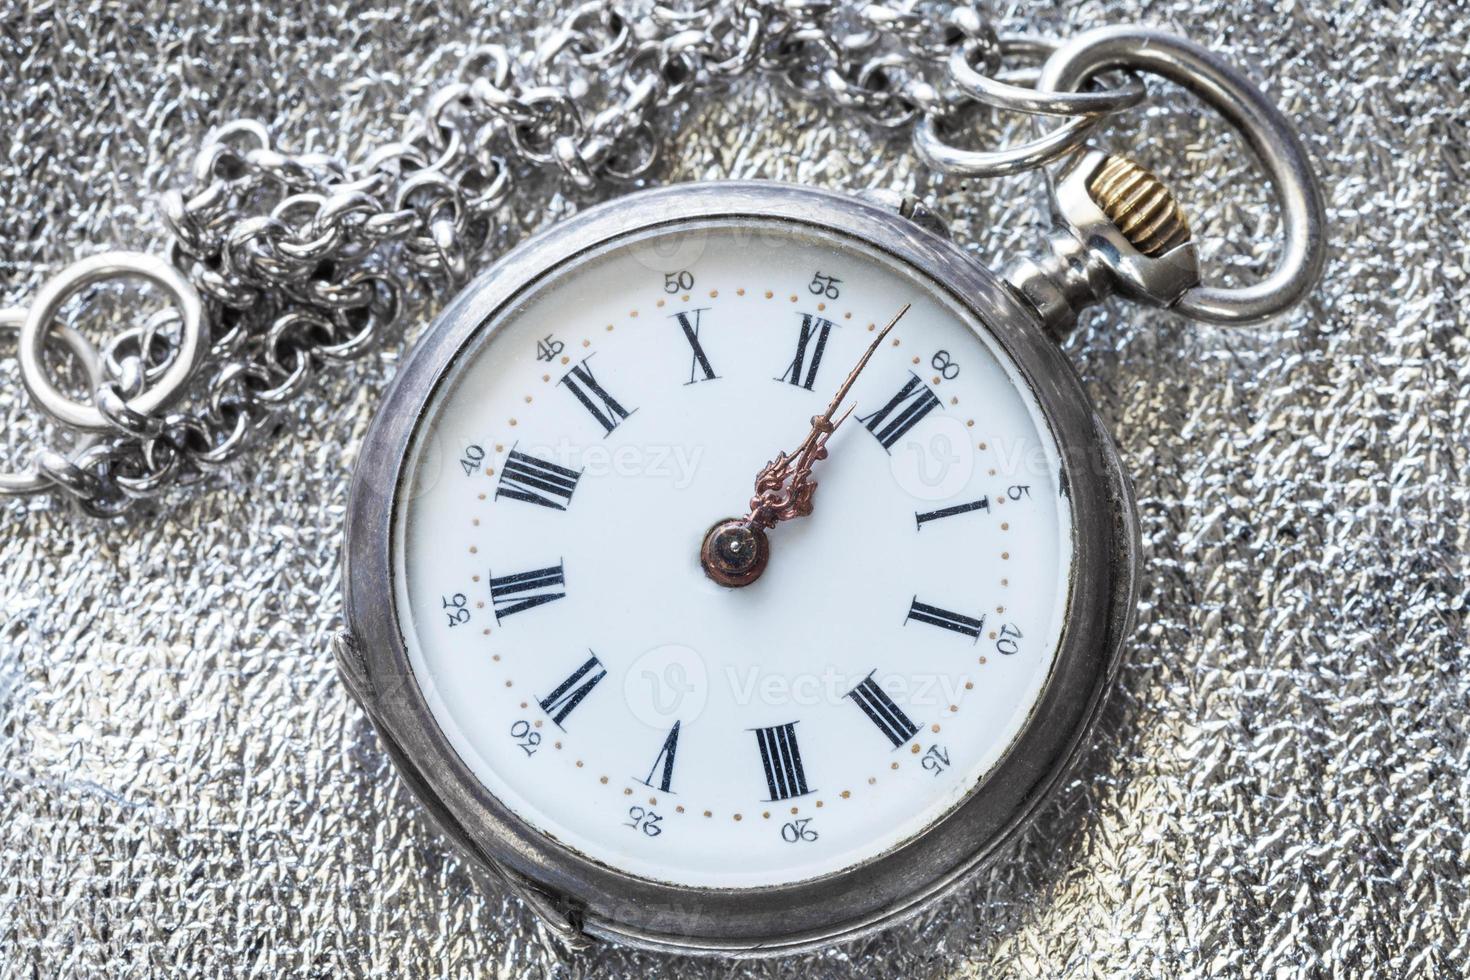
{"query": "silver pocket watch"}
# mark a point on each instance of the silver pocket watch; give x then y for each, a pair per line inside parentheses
(618, 643)
(633, 662)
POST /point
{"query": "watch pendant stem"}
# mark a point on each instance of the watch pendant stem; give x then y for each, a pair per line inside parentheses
(1060, 285)
(1118, 230)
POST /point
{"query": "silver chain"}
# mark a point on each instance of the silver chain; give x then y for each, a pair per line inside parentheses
(285, 264)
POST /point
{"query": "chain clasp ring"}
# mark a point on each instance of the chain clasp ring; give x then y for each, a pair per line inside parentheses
(31, 480)
(193, 338)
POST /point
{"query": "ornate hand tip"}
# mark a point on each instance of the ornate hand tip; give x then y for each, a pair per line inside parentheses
(784, 488)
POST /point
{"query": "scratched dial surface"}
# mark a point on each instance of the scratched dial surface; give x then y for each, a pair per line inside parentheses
(590, 675)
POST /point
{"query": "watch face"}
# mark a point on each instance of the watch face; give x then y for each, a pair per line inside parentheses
(614, 697)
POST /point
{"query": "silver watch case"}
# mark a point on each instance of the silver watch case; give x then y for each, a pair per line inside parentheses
(578, 896)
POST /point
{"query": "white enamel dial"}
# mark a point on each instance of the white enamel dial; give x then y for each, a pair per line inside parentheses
(602, 687)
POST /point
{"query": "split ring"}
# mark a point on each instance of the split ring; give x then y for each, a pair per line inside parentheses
(1085, 108)
(31, 481)
(1002, 93)
(193, 336)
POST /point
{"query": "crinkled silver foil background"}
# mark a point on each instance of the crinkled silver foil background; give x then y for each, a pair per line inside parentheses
(1279, 786)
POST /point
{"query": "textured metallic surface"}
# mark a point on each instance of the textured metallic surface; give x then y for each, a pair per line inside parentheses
(1279, 785)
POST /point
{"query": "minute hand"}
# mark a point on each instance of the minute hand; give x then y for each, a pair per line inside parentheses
(784, 488)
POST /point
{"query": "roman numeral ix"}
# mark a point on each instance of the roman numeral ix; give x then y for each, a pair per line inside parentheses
(536, 481)
(606, 409)
(903, 411)
(511, 594)
(956, 622)
(881, 710)
(811, 343)
(560, 702)
(785, 777)
(663, 764)
(699, 365)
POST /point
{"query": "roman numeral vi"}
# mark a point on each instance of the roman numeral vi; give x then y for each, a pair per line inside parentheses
(785, 777)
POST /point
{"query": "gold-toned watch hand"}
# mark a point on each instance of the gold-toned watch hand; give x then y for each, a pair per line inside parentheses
(784, 488)
(735, 550)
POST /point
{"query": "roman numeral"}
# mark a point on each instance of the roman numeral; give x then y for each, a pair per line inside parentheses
(785, 778)
(604, 407)
(903, 411)
(924, 613)
(536, 481)
(700, 363)
(879, 707)
(560, 702)
(526, 590)
(665, 760)
(921, 519)
(810, 345)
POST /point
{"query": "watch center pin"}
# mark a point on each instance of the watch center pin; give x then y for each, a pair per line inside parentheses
(734, 552)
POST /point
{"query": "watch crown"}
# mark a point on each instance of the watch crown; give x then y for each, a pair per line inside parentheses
(1140, 206)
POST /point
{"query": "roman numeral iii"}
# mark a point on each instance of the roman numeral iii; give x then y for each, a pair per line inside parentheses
(785, 777)
(922, 612)
(699, 366)
(880, 709)
(663, 764)
(811, 343)
(560, 702)
(511, 594)
(903, 411)
(537, 481)
(606, 409)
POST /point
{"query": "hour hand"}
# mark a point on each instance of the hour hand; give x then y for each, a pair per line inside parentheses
(784, 487)
(735, 550)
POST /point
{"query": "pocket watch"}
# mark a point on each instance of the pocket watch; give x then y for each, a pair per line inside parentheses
(623, 647)
(633, 660)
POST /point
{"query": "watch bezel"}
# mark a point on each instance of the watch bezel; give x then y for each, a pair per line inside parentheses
(780, 918)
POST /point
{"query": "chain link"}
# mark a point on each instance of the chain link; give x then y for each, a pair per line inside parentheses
(303, 261)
